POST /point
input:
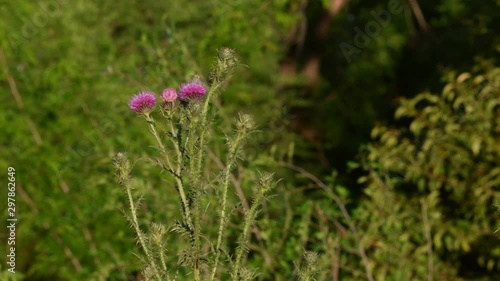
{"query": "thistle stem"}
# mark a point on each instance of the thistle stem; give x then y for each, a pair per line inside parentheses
(196, 179)
(203, 126)
(194, 215)
(225, 187)
(140, 235)
(177, 176)
(249, 219)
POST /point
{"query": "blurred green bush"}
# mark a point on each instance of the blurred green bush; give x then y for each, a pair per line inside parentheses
(68, 71)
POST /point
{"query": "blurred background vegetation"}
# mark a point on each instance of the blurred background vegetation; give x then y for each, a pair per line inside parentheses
(389, 159)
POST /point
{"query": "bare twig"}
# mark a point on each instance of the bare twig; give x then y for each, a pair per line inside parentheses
(409, 19)
(244, 202)
(336, 265)
(92, 120)
(67, 251)
(86, 232)
(342, 208)
(427, 233)
(34, 131)
(332, 246)
(418, 14)
(236, 182)
(11, 81)
(18, 98)
(27, 198)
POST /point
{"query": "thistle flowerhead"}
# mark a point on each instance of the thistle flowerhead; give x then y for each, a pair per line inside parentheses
(169, 95)
(142, 103)
(192, 91)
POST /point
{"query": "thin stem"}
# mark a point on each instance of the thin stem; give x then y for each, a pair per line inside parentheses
(195, 195)
(193, 214)
(428, 237)
(142, 240)
(225, 186)
(163, 150)
(11, 81)
(418, 14)
(307, 275)
(162, 258)
(333, 247)
(163, 263)
(344, 211)
(67, 251)
(244, 238)
(177, 175)
(249, 220)
(203, 126)
(17, 96)
(237, 186)
(196, 178)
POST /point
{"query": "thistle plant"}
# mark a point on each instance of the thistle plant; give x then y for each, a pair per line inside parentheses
(181, 140)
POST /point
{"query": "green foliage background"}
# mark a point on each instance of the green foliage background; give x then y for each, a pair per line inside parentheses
(74, 64)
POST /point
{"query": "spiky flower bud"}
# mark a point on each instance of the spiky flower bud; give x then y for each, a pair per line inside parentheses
(122, 167)
(244, 123)
(157, 232)
(266, 181)
(169, 95)
(226, 61)
(311, 258)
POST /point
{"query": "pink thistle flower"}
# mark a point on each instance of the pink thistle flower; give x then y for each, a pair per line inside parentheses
(192, 91)
(142, 102)
(169, 95)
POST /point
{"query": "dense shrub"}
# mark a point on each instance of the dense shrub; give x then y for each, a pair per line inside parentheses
(432, 185)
